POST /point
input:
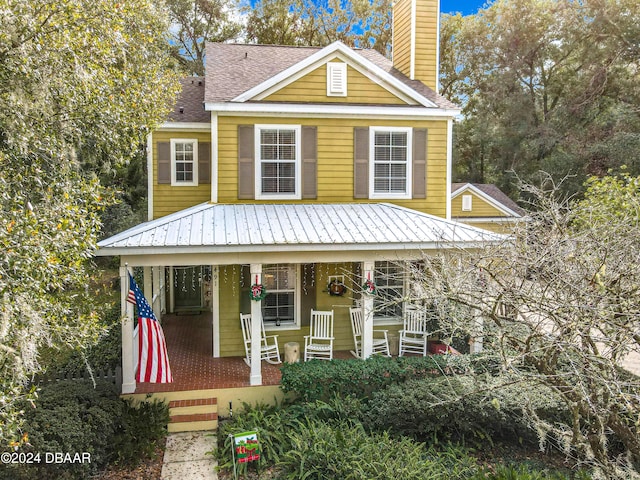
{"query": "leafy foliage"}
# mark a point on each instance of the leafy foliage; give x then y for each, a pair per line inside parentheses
(81, 83)
(74, 417)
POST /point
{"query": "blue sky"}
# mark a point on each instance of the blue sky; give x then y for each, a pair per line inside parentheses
(466, 7)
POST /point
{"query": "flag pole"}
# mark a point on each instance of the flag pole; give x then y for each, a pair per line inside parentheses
(128, 361)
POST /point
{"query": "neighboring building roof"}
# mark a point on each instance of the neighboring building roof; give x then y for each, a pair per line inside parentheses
(491, 191)
(189, 106)
(233, 69)
(218, 228)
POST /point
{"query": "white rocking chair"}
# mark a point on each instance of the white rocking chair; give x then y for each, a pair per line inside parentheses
(268, 348)
(319, 342)
(414, 335)
(380, 345)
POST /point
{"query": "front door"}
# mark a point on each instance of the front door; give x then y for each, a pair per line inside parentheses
(187, 288)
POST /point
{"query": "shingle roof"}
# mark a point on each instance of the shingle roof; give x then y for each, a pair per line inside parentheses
(232, 69)
(212, 228)
(189, 106)
(494, 192)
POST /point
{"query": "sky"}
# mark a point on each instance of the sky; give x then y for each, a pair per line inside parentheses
(466, 7)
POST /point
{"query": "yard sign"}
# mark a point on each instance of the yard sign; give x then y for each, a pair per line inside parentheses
(247, 448)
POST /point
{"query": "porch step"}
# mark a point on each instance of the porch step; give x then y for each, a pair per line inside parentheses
(193, 414)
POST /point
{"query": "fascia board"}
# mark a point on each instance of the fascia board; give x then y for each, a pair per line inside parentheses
(489, 199)
(313, 61)
(279, 248)
(317, 110)
(185, 126)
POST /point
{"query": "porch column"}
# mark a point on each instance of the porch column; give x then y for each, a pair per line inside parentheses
(156, 294)
(215, 309)
(475, 343)
(148, 284)
(128, 358)
(256, 331)
(367, 304)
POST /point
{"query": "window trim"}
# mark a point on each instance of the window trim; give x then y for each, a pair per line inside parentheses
(340, 67)
(297, 303)
(408, 193)
(182, 183)
(259, 195)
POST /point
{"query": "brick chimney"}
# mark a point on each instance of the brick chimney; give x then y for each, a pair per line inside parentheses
(416, 27)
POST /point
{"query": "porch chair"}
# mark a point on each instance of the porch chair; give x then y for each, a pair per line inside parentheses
(319, 342)
(269, 350)
(380, 345)
(414, 335)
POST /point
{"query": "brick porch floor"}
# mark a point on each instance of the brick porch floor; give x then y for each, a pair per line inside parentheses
(190, 349)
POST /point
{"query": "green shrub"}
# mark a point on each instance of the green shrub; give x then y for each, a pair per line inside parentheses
(462, 409)
(344, 450)
(73, 417)
(525, 472)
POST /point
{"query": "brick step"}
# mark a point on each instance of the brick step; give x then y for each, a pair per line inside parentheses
(193, 422)
(194, 417)
(193, 402)
(178, 408)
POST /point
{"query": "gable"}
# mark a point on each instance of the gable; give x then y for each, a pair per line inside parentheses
(479, 207)
(312, 88)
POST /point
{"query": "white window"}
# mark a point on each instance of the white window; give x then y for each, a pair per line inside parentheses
(467, 203)
(336, 79)
(278, 162)
(389, 278)
(280, 306)
(390, 162)
(184, 162)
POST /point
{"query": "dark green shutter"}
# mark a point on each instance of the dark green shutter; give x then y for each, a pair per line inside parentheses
(246, 162)
(419, 163)
(204, 162)
(164, 162)
(310, 162)
(361, 162)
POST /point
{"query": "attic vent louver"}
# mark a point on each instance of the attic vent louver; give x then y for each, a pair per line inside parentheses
(336, 79)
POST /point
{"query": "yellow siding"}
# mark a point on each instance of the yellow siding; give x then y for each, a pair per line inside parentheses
(335, 160)
(312, 88)
(402, 36)
(426, 61)
(479, 207)
(426, 40)
(503, 227)
(168, 199)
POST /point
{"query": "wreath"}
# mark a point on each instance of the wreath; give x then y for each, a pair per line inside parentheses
(257, 292)
(369, 287)
(337, 288)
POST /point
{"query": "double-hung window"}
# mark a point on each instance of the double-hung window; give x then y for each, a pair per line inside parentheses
(278, 162)
(279, 306)
(390, 162)
(389, 278)
(184, 162)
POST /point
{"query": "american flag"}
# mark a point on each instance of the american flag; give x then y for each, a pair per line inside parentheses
(153, 362)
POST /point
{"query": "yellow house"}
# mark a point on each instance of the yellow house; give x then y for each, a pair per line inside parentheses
(296, 168)
(484, 205)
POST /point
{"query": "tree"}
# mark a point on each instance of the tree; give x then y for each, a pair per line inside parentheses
(196, 22)
(81, 84)
(559, 301)
(552, 84)
(357, 23)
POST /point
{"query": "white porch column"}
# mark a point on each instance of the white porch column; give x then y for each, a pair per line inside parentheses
(367, 304)
(148, 285)
(475, 343)
(128, 359)
(172, 293)
(215, 308)
(162, 286)
(156, 293)
(256, 333)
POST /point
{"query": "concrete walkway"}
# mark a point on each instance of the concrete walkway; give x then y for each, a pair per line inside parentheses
(185, 457)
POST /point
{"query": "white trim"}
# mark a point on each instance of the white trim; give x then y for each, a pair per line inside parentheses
(180, 126)
(297, 303)
(150, 176)
(488, 219)
(412, 61)
(488, 198)
(214, 157)
(409, 186)
(194, 181)
(339, 69)
(331, 110)
(259, 195)
(215, 309)
(317, 59)
(449, 168)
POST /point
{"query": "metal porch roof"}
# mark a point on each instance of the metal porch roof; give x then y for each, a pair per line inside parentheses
(211, 228)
